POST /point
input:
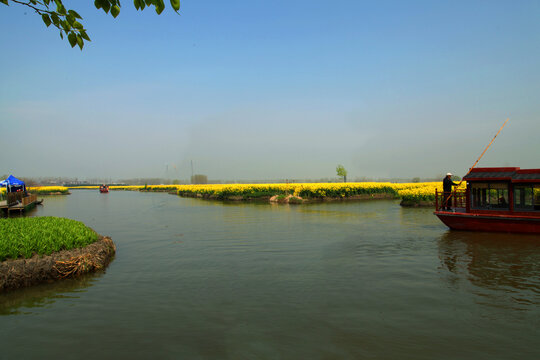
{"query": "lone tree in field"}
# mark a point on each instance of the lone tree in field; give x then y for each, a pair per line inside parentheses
(53, 12)
(341, 172)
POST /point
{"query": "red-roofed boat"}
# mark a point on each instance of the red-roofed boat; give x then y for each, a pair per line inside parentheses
(505, 199)
(103, 189)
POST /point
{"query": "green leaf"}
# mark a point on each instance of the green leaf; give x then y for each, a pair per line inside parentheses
(84, 35)
(77, 25)
(4, 2)
(106, 6)
(72, 39)
(175, 5)
(137, 4)
(60, 7)
(80, 42)
(160, 6)
(55, 20)
(97, 4)
(115, 10)
(74, 14)
(46, 19)
(65, 26)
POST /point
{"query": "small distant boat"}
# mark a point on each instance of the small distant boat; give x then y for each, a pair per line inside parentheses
(496, 199)
(103, 189)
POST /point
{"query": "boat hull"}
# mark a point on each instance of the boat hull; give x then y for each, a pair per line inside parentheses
(495, 223)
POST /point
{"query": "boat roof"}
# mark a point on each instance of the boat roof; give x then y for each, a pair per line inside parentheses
(512, 174)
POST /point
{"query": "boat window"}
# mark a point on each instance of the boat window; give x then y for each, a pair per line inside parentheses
(490, 196)
(537, 197)
(479, 195)
(527, 197)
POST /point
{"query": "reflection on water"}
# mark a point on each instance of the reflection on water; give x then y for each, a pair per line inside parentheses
(196, 279)
(500, 269)
(22, 300)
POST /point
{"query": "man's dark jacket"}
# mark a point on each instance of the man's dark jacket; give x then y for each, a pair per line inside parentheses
(447, 184)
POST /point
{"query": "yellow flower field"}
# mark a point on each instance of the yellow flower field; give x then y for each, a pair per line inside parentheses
(422, 192)
(44, 190)
(411, 191)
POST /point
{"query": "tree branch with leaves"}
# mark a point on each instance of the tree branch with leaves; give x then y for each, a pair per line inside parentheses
(67, 21)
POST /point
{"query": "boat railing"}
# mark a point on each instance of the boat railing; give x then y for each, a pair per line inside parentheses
(456, 199)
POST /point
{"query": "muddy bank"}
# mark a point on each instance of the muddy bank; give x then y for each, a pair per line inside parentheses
(64, 264)
(290, 198)
(225, 198)
(355, 197)
(286, 199)
(409, 203)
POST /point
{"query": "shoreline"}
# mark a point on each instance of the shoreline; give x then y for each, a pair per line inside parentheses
(421, 203)
(273, 199)
(19, 273)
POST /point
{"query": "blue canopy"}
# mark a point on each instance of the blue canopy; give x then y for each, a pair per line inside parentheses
(12, 183)
(11, 180)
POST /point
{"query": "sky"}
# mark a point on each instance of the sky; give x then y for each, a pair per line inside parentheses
(268, 90)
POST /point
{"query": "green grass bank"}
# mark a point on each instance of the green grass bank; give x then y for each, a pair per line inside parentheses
(24, 237)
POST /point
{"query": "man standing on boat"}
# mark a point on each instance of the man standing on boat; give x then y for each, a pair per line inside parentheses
(447, 190)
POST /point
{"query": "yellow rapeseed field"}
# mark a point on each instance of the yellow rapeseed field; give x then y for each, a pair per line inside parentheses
(424, 191)
(47, 189)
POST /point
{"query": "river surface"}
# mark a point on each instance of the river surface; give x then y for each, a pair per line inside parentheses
(196, 279)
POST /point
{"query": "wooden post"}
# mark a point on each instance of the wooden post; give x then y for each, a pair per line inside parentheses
(511, 197)
(467, 200)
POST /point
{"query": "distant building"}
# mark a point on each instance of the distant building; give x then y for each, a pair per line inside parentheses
(199, 179)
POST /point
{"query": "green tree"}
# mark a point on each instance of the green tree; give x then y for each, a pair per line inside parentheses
(341, 172)
(53, 12)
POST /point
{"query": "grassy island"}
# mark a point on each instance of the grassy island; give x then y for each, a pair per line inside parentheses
(24, 237)
(422, 193)
(43, 249)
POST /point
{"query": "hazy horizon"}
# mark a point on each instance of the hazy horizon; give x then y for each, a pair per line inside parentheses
(280, 90)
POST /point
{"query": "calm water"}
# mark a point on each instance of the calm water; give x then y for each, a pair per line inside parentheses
(194, 279)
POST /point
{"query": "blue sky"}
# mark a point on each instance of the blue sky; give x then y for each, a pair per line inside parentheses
(272, 90)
